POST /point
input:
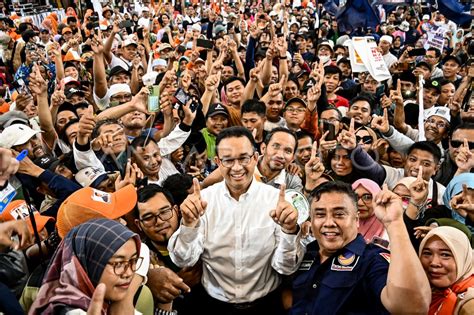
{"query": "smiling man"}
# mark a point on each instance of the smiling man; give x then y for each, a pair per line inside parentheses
(341, 274)
(244, 232)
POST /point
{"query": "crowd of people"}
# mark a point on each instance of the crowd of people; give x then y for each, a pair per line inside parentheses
(223, 157)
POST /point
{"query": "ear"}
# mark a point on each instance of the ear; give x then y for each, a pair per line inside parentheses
(263, 146)
(137, 224)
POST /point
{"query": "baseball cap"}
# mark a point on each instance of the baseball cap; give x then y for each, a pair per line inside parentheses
(47, 162)
(72, 55)
(13, 117)
(71, 80)
(216, 109)
(426, 17)
(159, 62)
(66, 29)
(296, 100)
(196, 27)
(119, 88)
(424, 64)
(387, 38)
(16, 134)
(326, 43)
(451, 57)
(432, 84)
(164, 46)
(18, 210)
(118, 70)
(442, 112)
(90, 176)
(129, 42)
(404, 26)
(89, 203)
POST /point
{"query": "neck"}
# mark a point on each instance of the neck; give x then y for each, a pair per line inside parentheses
(273, 120)
(292, 127)
(259, 136)
(236, 193)
(133, 132)
(159, 246)
(265, 170)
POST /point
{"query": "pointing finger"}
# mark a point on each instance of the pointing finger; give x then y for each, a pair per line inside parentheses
(281, 196)
(351, 126)
(282, 80)
(399, 88)
(197, 187)
(420, 173)
(466, 143)
(314, 149)
(464, 190)
(385, 114)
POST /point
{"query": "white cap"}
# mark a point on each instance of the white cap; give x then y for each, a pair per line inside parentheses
(88, 175)
(16, 134)
(404, 26)
(159, 62)
(196, 27)
(119, 88)
(387, 38)
(426, 17)
(442, 112)
(129, 42)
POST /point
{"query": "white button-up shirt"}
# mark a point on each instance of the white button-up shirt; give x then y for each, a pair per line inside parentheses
(242, 249)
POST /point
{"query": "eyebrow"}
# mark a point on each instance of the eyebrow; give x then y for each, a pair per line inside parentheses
(123, 256)
(162, 208)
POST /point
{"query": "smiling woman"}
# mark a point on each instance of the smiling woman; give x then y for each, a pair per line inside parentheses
(446, 256)
(98, 251)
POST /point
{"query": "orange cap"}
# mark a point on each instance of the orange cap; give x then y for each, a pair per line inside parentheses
(18, 210)
(89, 203)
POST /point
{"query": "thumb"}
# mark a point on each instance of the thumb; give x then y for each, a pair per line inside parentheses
(97, 303)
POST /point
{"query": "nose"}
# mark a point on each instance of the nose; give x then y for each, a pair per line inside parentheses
(435, 261)
(329, 221)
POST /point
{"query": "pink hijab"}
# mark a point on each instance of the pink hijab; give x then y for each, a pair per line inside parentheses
(371, 226)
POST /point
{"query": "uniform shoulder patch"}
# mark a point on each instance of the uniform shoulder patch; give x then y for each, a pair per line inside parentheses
(386, 256)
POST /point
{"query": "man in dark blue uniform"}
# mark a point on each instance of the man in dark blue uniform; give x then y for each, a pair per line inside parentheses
(341, 274)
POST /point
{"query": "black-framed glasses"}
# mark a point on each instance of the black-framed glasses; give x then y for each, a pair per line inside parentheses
(364, 139)
(243, 161)
(457, 144)
(151, 219)
(120, 267)
(365, 198)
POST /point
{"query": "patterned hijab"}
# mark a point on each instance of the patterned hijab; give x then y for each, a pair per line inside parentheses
(78, 264)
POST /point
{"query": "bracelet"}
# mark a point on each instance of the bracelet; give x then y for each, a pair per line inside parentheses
(286, 57)
(159, 311)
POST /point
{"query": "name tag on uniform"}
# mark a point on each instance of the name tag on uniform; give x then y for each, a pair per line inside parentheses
(306, 265)
(345, 262)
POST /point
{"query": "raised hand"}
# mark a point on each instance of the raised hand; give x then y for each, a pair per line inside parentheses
(212, 81)
(419, 188)
(139, 101)
(327, 145)
(189, 115)
(381, 123)
(86, 126)
(347, 138)
(193, 207)
(314, 168)
(313, 95)
(38, 85)
(276, 88)
(97, 303)
(388, 207)
(132, 173)
(463, 203)
(284, 214)
(8, 165)
(396, 96)
(464, 159)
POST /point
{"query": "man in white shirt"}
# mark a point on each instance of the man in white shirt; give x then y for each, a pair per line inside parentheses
(145, 19)
(384, 45)
(243, 231)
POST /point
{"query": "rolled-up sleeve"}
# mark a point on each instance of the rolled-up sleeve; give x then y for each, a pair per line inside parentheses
(186, 245)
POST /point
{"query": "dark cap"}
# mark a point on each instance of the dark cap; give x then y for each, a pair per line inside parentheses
(408, 76)
(72, 91)
(296, 100)
(302, 73)
(432, 84)
(216, 109)
(47, 162)
(454, 58)
(118, 70)
(423, 64)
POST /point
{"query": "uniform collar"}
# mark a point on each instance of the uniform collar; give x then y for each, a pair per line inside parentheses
(357, 246)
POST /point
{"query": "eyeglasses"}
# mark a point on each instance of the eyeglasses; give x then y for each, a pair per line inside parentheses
(329, 121)
(295, 110)
(365, 198)
(364, 139)
(439, 124)
(164, 215)
(121, 98)
(120, 267)
(243, 161)
(457, 144)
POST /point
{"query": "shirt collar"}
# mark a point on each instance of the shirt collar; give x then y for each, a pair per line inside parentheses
(279, 179)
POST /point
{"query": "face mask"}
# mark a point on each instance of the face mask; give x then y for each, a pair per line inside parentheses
(324, 59)
(439, 23)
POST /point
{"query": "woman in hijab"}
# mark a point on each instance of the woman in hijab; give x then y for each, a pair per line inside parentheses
(369, 225)
(453, 192)
(98, 251)
(447, 258)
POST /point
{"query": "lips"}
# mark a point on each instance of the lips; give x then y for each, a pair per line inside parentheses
(123, 286)
(330, 235)
(238, 176)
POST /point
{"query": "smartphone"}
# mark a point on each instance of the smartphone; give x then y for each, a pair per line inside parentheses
(417, 52)
(204, 43)
(154, 99)
(126, 23)
(195, 104)
(380, 91)
(332, 131)
(404, 66)
(181, 98)
(140, 33)
(21, 87)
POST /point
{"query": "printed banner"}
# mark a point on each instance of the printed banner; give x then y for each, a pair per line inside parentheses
(435, 37)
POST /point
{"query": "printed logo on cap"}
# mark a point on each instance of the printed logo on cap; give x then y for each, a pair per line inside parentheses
(101, 196)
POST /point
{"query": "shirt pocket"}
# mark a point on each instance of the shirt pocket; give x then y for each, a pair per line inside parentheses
(259, 244)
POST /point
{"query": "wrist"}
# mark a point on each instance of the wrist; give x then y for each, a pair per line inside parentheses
(292, 231)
